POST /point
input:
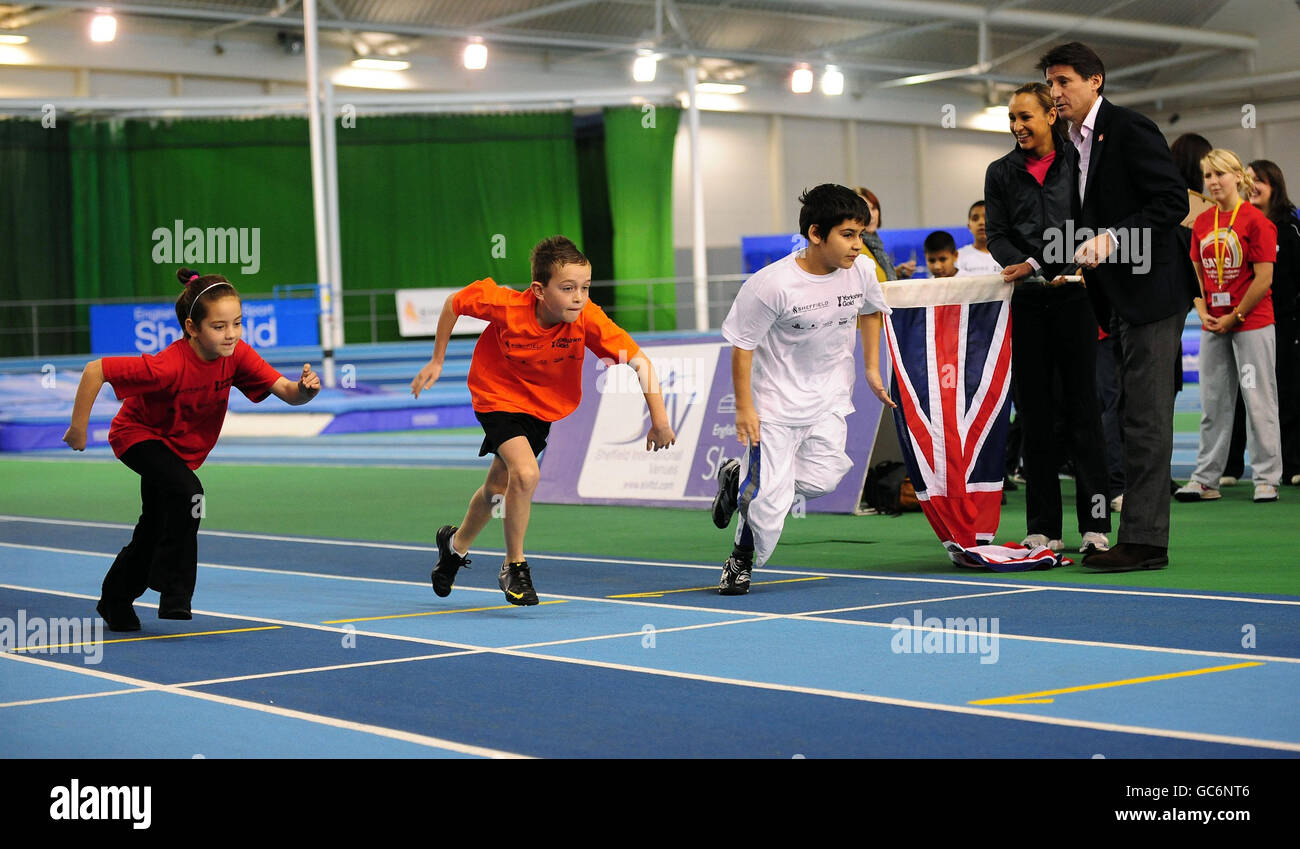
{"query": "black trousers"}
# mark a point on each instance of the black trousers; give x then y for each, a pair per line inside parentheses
(164, 550)
(1054, 337)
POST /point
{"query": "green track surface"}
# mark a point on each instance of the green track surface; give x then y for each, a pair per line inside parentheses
(1232, 545)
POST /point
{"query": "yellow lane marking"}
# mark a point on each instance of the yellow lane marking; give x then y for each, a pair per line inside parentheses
(433, 613)
(661, 593)
(1038, 698)
(138, 639)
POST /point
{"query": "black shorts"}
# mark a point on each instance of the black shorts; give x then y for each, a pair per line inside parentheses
(500, 427)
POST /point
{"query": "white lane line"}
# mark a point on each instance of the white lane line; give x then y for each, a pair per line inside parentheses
(810, 616)
(54, 699)
(317, 719)
(920, 601)
(858, 576)
(519, 651)
(1282, 745)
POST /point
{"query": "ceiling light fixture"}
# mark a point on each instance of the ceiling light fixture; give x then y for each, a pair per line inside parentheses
(801, 81)
(475, 55)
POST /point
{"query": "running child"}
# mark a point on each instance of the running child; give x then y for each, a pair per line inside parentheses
(174, 403)
(526, 373)
(792, 329)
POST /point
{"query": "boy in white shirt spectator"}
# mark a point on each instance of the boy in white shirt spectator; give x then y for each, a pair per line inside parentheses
(975, 259)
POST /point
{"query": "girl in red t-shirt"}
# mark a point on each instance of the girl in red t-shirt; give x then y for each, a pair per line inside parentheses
(1234, 247)
(174, 403)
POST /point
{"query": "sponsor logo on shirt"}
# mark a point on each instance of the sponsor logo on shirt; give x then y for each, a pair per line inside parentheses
(806, 307)
(850, 300)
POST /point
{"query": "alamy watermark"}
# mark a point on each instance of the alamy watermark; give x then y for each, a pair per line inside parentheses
(1130, 245)
(60, 635)
(954, 635)
(211, 246)
(93, 802)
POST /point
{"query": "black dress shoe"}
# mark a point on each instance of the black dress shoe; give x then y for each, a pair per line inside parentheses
(174, 607)
(118, 614)
(1128, 557)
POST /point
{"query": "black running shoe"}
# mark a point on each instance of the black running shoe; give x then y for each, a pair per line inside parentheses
(517, 583)
(724, 503)
(174, 607)
(118, 615)
(449, 562)
(735, 576)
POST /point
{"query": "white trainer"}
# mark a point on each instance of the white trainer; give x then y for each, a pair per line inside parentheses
(1194, 491)
(1036, 540)
(1094, 541)
(1265, 492)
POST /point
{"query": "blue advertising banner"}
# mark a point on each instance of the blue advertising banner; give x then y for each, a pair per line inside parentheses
(148, 328)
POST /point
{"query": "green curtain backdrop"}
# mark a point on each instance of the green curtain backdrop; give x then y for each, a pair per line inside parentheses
(597, 227)
(35, 235)
(90, 209)
(245, 185)
(434, 201)
(639, 166)
(423, 201)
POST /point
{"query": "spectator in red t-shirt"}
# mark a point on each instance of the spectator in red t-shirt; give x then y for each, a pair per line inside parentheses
(174, 403)
(1234, 246)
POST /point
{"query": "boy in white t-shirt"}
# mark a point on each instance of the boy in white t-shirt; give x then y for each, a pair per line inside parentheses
(975, 259)
(792, 328)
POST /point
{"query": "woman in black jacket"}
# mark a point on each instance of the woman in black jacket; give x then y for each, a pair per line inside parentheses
(1053, 331)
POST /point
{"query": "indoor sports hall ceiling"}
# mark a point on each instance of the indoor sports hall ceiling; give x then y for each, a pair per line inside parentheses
(979, 47)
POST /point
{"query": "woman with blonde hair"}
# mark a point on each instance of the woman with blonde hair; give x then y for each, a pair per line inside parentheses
(1234, 246)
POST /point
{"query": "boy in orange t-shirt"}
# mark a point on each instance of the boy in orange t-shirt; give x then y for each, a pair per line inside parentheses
(525, 374)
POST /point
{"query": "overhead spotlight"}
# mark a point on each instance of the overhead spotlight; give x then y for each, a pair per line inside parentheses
(372, 64)
(644, 66)
(14, 39)
(801, 81)
(832, 81)
(103, 27)
(290, 42)
(475, 56)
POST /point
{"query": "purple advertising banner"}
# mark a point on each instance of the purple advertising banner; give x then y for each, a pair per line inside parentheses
(597, 455)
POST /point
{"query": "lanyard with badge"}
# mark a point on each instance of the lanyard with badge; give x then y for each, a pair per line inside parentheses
(1222, 298)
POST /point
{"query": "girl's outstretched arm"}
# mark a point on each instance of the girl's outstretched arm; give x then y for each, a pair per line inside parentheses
(92, 380)
(297, 394)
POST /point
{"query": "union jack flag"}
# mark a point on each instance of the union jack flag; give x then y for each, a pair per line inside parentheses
(950, 344)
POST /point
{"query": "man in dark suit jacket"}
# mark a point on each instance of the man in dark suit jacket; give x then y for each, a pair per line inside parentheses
(1132, 198)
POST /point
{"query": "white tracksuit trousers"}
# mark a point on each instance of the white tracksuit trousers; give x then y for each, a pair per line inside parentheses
(807, 461)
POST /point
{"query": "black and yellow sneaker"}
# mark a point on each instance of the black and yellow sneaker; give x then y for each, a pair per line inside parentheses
(724, 503)
(517, 583)
(449, 562)
(735, 575)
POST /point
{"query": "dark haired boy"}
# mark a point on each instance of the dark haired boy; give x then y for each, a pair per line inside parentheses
(526, 373)
(940, 254)
(975, 259)
(792, 329)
